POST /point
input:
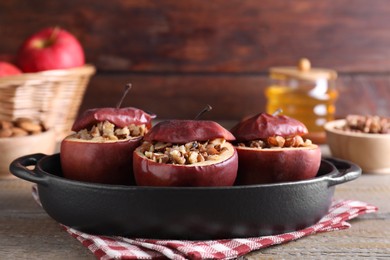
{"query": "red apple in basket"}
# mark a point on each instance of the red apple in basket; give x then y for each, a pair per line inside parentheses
(271, 149)
(7, 69)
(50, 49)
(101, 149)
(186, 153)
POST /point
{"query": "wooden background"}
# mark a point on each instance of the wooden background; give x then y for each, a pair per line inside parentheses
(180, 55)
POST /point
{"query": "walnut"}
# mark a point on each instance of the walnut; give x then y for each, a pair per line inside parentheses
(20, 127)
(28, 125)
(122, 133)
(189, 153)
(107, 131)
(177, 157)
(193, 157)
(295, 141)
(211, 149)
(276, 141)
(257, 144)
(367, 124)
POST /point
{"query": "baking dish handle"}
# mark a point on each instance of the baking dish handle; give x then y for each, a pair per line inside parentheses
(19, 168)
(347, 171)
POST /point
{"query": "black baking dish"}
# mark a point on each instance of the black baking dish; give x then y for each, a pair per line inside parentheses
(183, 212)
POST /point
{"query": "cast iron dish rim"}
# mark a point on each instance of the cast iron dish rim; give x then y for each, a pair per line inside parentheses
(44, 179)
(330, 127)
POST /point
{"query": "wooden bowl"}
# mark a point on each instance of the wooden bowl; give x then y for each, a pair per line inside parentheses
(370, 151)
(14, 147)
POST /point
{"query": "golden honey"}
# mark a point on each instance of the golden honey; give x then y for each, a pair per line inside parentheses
(306, 94)
(312, 107)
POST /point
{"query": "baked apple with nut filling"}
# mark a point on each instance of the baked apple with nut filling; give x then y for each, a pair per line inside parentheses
(271, 149)
(186, 153)
(101, 148)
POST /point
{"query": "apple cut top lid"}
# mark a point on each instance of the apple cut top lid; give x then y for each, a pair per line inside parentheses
(120, 117)
(184, 131)
(264, 125)
(303, 71)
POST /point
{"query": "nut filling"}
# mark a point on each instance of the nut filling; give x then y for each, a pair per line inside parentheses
(277, 142)
(189, 153)
(104, 131)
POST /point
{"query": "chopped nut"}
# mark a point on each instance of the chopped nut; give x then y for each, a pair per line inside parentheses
(276, 141)
(83, 134)
(94, 131)
(108, 131)
(193, 157)
(296, 141)
(256, 144)
(200, 158)
(210, 149)
(189, 153)
(137, 130)
(177, 157)
(191, 145)
(122, 133)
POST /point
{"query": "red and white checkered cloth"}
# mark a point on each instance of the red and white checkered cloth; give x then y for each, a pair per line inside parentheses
(106, 248)
(115, 247)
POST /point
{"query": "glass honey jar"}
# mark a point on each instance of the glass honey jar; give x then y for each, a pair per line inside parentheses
(304, 93)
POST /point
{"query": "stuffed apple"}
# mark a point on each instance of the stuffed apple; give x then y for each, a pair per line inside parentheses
(186, 153)
(271, 149)
(101, 148)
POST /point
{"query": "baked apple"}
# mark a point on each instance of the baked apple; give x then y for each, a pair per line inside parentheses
(186, 153)
(102, 146)
(271, 149)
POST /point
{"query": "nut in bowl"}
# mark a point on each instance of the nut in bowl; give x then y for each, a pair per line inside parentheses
(20, 137)
(364, 140)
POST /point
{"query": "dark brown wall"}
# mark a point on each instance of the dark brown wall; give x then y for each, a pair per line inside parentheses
(180, 55)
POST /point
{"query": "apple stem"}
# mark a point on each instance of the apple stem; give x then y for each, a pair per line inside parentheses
(204, 110)
(277, 112)
(53, 35)
(127, 88)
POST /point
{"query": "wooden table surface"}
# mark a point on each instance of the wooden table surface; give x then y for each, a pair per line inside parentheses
(27, 232)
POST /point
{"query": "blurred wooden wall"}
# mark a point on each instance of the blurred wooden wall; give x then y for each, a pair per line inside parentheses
(180, 55)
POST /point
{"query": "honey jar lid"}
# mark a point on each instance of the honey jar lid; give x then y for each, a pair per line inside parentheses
(303, 71)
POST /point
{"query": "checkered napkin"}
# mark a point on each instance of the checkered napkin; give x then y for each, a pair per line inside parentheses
(115, 247)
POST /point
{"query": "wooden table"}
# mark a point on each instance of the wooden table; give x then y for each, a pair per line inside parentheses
(27, 232)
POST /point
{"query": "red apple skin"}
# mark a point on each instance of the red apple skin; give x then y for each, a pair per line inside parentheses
(107, 163)
(260, 166)
(150, 173)
(7, 69)
(64, 51)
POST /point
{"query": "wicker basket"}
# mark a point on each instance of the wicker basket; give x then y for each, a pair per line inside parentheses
(53, 97)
